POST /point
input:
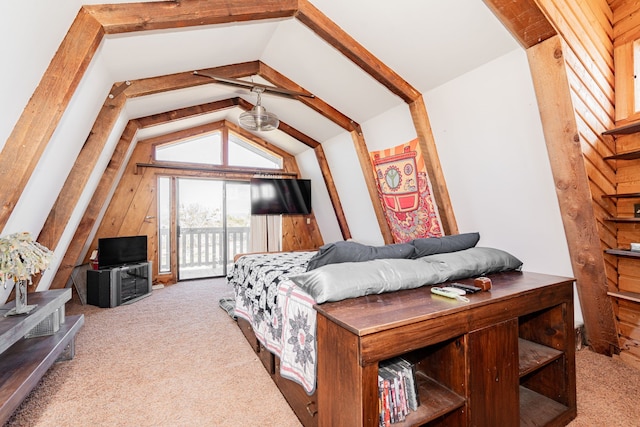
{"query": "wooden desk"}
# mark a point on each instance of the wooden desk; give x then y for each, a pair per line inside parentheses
(505, 358)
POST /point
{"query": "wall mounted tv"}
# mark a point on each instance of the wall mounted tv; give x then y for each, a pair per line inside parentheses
(276, 196)
(115, 251)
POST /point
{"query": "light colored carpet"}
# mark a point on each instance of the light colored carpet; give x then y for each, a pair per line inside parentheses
(608, 392)
(172, 359)
(177, 359)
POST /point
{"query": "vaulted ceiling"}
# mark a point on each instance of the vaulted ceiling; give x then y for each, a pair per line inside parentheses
(347, 62)
(407, 39)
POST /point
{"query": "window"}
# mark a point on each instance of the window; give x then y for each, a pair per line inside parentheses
(243, 153)
(209, 148)
(205, 149)
(164, 224)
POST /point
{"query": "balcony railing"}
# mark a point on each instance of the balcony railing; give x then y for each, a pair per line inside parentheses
(201, 249)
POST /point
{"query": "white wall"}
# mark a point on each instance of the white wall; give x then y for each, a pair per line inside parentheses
(490, 142)
(485, 123)
(352, 190)
(320, 200)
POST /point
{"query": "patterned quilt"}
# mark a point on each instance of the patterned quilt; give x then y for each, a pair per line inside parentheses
(281, 314)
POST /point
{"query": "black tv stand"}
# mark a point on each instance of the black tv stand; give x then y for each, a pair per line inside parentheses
(118, 285)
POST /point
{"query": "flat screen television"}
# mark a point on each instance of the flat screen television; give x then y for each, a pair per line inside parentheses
(115, 251)
(276, 196)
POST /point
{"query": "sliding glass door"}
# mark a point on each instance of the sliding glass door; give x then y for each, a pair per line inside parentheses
(213, 219)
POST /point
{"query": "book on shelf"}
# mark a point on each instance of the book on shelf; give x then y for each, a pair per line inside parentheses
(398, 390)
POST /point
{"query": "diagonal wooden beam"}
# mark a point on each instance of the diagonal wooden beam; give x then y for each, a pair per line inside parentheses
(529, 25)
(333, 192)
(82, 169)
(75, 251)
(548, 70)
(372, 187)
(330, 32)
(324, 169)
(524, 19)
(315, 103)
(41, 116)
(427, 145)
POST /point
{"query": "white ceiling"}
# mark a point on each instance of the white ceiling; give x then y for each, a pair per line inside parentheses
(427, 42)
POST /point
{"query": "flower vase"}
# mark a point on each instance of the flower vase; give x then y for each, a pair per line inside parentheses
(21, 300)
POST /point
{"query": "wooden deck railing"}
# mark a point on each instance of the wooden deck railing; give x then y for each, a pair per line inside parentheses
(205, 246)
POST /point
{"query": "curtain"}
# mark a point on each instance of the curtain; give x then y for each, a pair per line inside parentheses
(266, 233)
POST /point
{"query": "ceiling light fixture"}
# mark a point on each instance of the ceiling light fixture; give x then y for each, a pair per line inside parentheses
(258, 118)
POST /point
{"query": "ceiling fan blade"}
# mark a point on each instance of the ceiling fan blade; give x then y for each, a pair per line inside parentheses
(254, 87)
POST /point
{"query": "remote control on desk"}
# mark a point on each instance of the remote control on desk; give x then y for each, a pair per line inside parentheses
(468, 288)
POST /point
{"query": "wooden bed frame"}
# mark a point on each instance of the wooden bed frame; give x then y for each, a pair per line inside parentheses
(505, 358)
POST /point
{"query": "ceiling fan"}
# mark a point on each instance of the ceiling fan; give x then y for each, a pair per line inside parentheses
(258, 118)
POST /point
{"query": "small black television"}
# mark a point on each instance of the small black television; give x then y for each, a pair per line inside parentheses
(115, 251)
(278, 196)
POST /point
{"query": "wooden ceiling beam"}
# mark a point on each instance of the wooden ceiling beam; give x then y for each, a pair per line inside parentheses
(524, 19)
(372, 187)
(131, 17)
(330, 32)
(159, 84)
(75, 252)
(333, 192)
(187, 112)
(183, 134)
(315, 103)
(83, 167)
(435, 174)
(562, 136)
(41, 116)
(284, 127)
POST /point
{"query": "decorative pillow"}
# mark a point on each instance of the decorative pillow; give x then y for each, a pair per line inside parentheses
(445, 244)
(474, 262)
(339, 252)
(335, 282)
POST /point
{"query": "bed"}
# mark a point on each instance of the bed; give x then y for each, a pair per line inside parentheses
(275, 295)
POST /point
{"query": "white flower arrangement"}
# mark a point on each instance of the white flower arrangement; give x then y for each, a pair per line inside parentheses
(21, 257)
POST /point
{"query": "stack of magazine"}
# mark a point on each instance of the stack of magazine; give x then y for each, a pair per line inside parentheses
(397, 390)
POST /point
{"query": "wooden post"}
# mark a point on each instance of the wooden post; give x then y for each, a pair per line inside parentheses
(369, 177)
(427, 145)
(553, 93)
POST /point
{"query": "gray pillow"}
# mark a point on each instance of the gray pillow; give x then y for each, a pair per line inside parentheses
(339, 252)
(474, 262)
(335, 282)
(445, 244)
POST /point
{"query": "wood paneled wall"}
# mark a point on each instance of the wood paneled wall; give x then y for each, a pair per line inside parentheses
(626, 29)
(598, 37)
(586, 30)
(132, 209)
(570, 53)
(585, 26)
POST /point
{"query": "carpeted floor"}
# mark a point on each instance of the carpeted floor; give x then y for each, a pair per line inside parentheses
(177, 359)
(172, 359)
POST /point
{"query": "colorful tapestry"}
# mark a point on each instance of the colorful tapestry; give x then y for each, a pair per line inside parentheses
(405, 192)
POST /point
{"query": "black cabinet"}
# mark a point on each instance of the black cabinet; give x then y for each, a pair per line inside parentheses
(118, 285)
